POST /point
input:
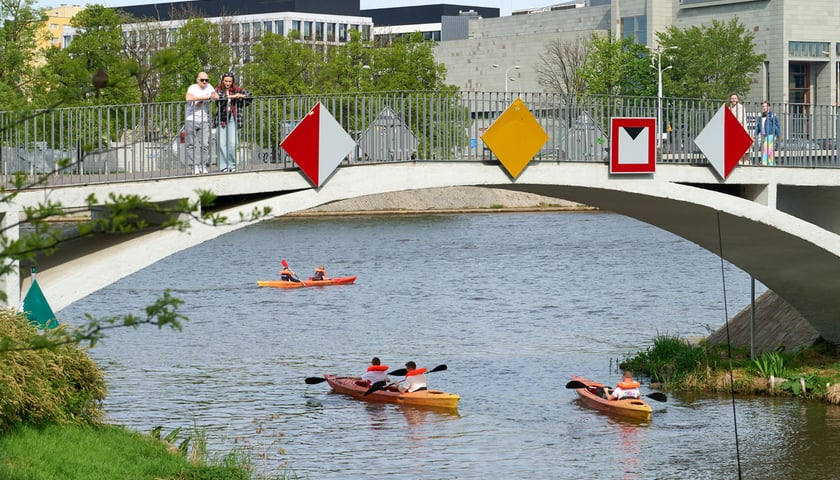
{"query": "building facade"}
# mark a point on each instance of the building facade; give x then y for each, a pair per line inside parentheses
(800, 39)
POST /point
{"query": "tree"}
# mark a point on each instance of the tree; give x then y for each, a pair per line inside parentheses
(281, 66)
(709, 62)
(560, 65)
(18, 40)
(96, 48)
(198, 48)
(408, 64)
(618, 68)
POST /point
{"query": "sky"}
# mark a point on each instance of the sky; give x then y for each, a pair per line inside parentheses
(506, 6)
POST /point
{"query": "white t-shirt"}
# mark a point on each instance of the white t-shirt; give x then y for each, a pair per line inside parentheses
(375, 376)
(199, 111)
(622, 393)
(414, 382)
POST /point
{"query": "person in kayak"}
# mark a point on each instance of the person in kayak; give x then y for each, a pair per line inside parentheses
(415, 378)
(288, 275)
(375, 373)
(320, 274)
(626, 388)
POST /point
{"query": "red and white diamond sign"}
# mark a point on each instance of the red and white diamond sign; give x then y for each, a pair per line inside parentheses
(724, 141)
(317, 144)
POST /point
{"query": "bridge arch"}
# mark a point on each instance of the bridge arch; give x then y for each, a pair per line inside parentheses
(791, 256)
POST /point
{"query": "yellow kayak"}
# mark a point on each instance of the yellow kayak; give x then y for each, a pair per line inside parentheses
(591, 393)
(422, 398)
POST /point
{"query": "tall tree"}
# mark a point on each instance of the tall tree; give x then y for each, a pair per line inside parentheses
(281, 66)
(198, 48)
(19, 27)
(709, 62)
(559, 67)
(618, 68)
(407, 64)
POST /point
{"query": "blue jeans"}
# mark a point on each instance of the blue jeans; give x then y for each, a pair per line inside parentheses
(226, 136)
(197, 133)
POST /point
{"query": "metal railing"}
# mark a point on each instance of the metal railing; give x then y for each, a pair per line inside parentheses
(133, 142)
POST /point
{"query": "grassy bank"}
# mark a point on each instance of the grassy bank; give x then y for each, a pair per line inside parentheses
(104, 453)
(812, 373)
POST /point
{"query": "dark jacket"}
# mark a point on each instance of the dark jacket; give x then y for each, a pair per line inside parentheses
(229, 108)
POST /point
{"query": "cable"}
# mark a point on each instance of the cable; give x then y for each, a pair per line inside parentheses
(729, 348)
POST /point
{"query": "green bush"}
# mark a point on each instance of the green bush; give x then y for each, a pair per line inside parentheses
(45, 385)
(670, 358)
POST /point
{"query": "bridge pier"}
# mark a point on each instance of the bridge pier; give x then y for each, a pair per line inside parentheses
(10, 283)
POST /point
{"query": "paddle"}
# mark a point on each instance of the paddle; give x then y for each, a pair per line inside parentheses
(314, 380)
(398, 373)
(286, 265)
(659, 397)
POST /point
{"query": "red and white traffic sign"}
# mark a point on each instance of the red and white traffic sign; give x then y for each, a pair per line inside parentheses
(318, 144)
(633, 145)
(724, 141)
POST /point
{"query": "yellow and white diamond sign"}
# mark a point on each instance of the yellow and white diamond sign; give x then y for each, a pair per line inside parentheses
(515, 137)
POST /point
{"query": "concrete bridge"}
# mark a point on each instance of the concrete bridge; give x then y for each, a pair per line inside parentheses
(779, 224)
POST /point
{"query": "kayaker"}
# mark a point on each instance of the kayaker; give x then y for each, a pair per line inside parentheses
(626, 388)
(320, 274)
(415, 378)
(288, 275)
(375, 372)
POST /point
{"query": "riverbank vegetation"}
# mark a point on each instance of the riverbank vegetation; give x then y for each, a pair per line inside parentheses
(52, 425)
(812, 373)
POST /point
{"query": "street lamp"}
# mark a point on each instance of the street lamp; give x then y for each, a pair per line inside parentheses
(516, 67)
(659, 70)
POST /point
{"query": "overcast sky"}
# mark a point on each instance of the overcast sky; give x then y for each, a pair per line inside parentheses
(506, 6)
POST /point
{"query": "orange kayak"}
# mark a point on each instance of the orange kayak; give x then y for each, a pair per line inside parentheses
(306, 283)
(591, 397)
(423, 398)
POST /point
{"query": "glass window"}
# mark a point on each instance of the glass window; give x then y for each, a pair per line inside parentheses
(278, 27)
(234, 33)
(330, 32)
(296, 25)
(319, 31)
(342, 32)
(246, 32)
(307, 30)
(257, 29)
(267, 26)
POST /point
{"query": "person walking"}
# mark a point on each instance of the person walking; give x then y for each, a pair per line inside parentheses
(229, 119)
(197, 122)
(767, 128)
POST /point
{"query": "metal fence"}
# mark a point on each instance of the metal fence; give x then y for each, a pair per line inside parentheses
(131, 142)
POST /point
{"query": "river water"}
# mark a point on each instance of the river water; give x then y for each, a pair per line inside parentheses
(514, 304)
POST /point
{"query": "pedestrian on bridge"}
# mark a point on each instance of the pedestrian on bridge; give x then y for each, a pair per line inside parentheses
(197, 122)
(229, 119)
(767, 128)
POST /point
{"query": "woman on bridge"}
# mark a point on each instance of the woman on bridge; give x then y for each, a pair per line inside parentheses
(229, 118)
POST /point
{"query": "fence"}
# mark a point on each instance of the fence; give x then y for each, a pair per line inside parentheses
(131, 142)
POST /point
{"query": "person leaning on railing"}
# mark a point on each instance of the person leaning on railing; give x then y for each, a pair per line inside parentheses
(197, 122)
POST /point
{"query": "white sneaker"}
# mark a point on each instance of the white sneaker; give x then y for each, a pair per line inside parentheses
(196, 170)
(203, 169)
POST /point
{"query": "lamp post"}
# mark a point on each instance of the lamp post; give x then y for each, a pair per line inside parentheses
(507, 71)
(659, 70)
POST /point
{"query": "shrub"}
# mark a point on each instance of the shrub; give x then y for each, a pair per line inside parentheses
(45, 385)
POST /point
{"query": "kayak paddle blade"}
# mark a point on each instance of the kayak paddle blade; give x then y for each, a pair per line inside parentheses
(376, 386)
(314, 380)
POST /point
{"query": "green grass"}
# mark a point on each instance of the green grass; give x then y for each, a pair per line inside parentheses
(98, 453)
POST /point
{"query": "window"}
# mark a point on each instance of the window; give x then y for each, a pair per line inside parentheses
(635, 27)
(267, 26)
(296, 25)
(278, 27)
(319, 31)
(809, 49)
(307, 30)
(342, 32)
(799, 82)
(246, 32)
(330, 32)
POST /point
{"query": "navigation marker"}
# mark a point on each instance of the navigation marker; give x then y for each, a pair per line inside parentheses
(724, 141)
(318, 144)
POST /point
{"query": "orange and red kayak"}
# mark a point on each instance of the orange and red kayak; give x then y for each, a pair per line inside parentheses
(591, 397)
(306, 283)
(423, 398)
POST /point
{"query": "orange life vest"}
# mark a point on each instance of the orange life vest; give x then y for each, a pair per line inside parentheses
(377, 368)
(418, 371)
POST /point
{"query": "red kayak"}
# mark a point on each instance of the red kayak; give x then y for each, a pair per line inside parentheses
(591, 395)
(306, 283)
